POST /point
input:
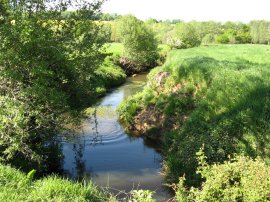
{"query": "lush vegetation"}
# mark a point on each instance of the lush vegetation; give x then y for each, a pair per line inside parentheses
(55, 62)
(109, 74)
(17, 186)
(239, 179)
(52, 67)
(213, 95)
(140, 46)
(47, 68)
(180, 34)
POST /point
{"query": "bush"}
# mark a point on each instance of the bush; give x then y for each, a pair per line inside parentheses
(109, 75)
(208, 39)
(223, 38)
(239, 179)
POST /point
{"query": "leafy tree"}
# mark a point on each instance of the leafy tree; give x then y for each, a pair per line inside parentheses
(140, 45)
(185, 36)
(234, 33)
(161, 30)
(47, 68)
(260, 32)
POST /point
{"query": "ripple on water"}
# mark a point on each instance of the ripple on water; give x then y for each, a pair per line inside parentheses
(101, 128)
(100, 150)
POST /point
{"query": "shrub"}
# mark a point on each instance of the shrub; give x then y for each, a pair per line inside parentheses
(223, 38)
(239, 179)
(208, 39)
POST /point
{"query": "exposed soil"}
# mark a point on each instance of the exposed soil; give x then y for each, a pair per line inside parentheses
(147, 120)
(131, 68)
(151, 122)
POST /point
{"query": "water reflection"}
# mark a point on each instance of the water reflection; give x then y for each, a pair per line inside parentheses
(102, 151)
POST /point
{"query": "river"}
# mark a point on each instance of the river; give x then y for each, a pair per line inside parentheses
(103, 152)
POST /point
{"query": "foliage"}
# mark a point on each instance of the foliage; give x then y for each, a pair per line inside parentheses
(109, 75)
(16, 186)
(223, 38)
(142, 196)
(239, 179)
(140, 45)
(47, 68)
(161, 30)
(128, 108)
(260, 31)
(208, 39)
(211, 98)
(109, 16)
(174, 32)
(185, 36)
(234, 33)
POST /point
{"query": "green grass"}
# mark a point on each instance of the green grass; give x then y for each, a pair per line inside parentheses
(17, 187)
(109, 75)
(222, 101)
(115, 48)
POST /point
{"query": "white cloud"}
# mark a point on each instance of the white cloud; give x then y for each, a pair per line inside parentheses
(234, 10)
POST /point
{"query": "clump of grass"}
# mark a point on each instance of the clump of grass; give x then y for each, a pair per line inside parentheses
(129, 108)
(16, 186)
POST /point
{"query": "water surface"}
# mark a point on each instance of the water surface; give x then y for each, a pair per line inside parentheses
(103, 152)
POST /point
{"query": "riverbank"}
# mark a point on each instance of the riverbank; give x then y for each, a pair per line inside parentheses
(108, 76)
(103, 153)
(205, 96)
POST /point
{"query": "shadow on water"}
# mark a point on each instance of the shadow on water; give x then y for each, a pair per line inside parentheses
(103, 152)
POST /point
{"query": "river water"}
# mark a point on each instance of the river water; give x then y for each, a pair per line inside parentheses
(103, 152)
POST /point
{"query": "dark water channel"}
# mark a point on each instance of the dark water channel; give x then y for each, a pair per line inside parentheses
(103, 152)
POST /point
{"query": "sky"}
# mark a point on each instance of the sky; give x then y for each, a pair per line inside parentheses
(187, 10)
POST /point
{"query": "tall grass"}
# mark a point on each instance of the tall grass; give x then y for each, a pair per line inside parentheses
(18, 187)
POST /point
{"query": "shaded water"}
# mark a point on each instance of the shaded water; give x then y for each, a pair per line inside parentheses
(103, 152)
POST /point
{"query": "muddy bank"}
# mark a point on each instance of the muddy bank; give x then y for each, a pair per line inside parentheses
(151, 121)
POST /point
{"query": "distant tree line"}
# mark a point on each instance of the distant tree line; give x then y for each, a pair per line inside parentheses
(260, 32)
(180, 34)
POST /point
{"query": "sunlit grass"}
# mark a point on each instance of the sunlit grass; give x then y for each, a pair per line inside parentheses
(17, 187)
(115, 48)
(222, 101)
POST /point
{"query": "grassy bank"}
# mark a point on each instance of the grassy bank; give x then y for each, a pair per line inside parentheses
(16, 186)
(110, 75)
(217, 96)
